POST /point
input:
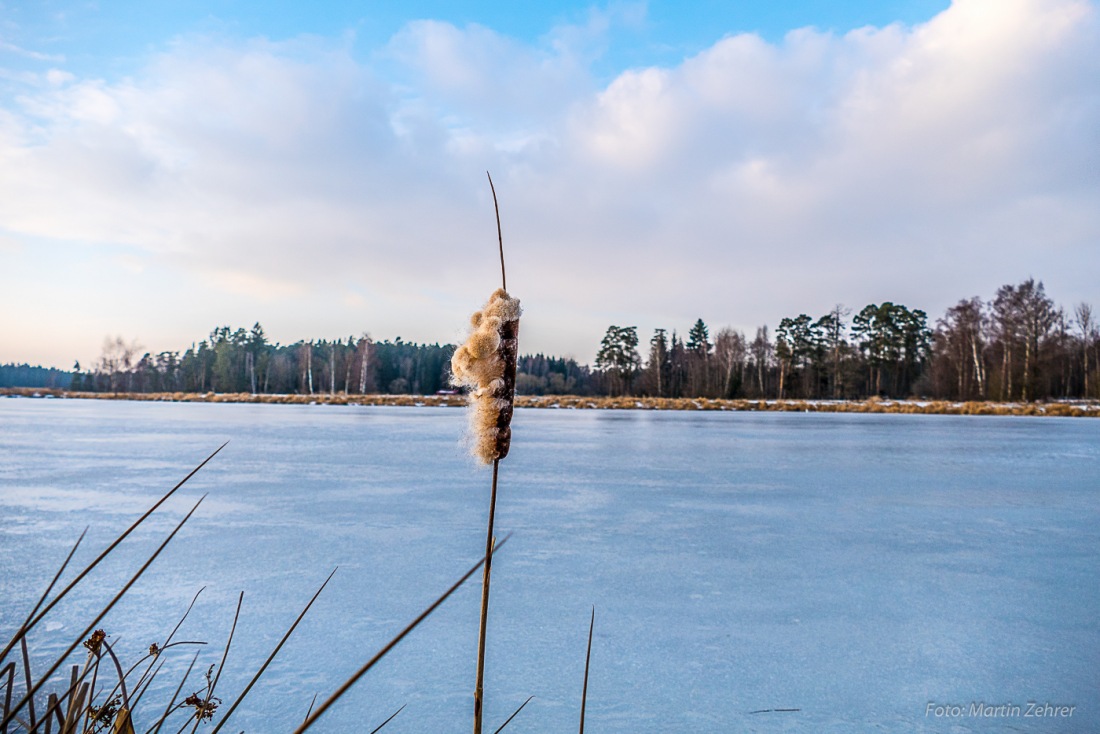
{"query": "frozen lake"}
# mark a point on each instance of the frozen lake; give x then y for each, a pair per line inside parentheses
(857, 568)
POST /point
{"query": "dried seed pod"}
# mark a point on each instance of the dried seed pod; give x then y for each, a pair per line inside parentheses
(486, 364)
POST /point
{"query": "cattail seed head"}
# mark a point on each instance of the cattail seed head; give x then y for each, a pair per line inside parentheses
(486, 365)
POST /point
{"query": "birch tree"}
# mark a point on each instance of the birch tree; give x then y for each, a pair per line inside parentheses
(729, 353)
(1084, 322)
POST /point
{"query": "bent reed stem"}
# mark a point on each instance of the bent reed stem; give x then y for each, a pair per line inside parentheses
(500, 234)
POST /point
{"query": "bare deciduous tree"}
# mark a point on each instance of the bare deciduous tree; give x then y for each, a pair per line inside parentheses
(729, 351)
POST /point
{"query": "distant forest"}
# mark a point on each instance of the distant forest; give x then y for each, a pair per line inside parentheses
(24, 375)
(1017, 346)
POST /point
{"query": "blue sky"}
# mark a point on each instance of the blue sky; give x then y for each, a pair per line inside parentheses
(166, 170)
(109, 37)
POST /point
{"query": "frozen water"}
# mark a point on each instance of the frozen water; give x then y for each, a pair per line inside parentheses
(854, 567)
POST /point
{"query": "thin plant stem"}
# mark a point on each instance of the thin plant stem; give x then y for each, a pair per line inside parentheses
(267, 662)
(310, 709)
(23, 628)
(30, 682)
(94, 670)
(500, 236)
(121, 676)
(378, 728)
(9, 670)
(76, 707)
(29, 697)
(514, 713)
(221, 665)
(479, 686)
(389, 646)
(172, 703)
(53, 710)
(26, 628)
(153, 658)
(587, 660)
(76, 680)
(154, 668)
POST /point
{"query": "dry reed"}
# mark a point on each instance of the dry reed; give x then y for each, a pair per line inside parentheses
(1065, 409)
(92, 703)
(873, 405)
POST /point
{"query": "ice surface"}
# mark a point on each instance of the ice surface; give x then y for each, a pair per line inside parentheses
(853, 567)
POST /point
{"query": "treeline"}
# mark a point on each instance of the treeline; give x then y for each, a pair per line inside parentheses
(24, 375)
(1018, 346)
(245, 361)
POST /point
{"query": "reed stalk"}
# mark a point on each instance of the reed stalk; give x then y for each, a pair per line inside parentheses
(486, 364)
(386, 649)
(587, 661)
(28, 698)
(479, 686)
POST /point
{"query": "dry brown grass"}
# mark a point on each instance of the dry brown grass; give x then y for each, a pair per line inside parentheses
(243, 397)
(873, 405)
(1069, 409)
(102, 693)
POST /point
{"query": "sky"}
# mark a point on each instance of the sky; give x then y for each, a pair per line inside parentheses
(167, 168)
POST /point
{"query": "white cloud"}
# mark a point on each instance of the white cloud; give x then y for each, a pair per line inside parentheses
(10, 244)
(11, 48)
(749, 182)
(59, 77)
(255, 287)
(474, 78)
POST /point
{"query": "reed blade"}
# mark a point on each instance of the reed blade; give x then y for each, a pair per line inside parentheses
(514, 713)
(390, 645)
(29, 697)
(9, 671)
(500, 236)
(310, 709)
(138, 690)
(30, 682)
(221, 665)
(394, 714)
(53, 710)
(25, 627)
(80, 577)
(271, 657)
(172, 701)
(587, 660)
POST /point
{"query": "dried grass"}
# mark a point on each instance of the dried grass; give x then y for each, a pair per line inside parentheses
(873, 405)
(1064, 409)
(100, 700)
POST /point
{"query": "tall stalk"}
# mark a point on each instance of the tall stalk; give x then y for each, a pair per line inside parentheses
(486, 364)
(490, 541)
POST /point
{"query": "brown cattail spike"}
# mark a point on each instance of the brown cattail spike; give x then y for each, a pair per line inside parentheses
(506, 393)
(486, 364)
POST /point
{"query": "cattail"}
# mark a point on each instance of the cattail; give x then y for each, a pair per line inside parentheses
(486, 364)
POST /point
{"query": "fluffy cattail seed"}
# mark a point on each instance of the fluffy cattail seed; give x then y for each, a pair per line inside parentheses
(486, 364)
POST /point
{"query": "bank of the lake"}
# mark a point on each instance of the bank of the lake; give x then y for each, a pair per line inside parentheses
(1063, 409)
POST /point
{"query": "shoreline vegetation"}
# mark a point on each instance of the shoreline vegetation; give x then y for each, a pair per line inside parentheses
(1018, 347)
(1059, 408)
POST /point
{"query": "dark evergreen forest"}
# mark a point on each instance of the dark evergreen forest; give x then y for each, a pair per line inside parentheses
(24, 375)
